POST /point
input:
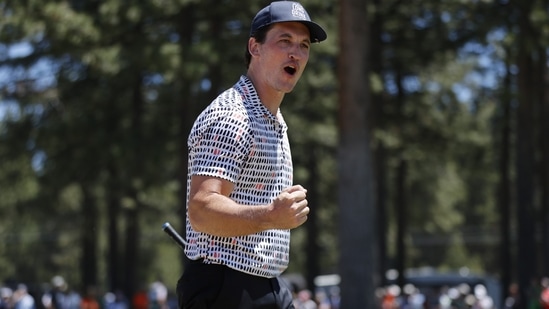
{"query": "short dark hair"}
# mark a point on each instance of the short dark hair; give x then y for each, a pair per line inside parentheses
(260, 35)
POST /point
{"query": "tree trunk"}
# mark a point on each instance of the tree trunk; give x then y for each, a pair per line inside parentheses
(525, 155)
(113, 215)
(131, 258)
(186, 24)
(544, 160)
(401, 216)
(381, 206)
(357, 227)
(376, 122)
(312, 249)
(89, 240)
(400, 185)
(504, 188)
(132, 240)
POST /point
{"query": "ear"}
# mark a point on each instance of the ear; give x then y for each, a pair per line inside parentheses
(253, 47)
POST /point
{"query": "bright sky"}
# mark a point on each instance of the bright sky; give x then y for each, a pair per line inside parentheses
(488, 76)
(41, 72)
(12, 51)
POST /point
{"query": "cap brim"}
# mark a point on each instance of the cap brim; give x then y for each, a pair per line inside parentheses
(315, 30)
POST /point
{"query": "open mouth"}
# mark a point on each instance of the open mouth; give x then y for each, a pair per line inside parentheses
(290, 70)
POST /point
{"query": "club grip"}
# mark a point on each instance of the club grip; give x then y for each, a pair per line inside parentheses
(166, 227)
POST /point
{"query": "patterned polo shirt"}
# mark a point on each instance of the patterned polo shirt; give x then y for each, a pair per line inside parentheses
(236, 138)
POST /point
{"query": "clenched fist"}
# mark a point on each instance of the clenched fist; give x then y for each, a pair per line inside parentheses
(289, 209)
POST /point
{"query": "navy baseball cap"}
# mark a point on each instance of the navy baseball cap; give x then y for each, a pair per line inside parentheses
(285, 11)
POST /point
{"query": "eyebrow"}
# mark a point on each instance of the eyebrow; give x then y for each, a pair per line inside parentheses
(288, 35)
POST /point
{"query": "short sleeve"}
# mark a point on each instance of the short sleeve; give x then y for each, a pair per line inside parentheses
(221, 145)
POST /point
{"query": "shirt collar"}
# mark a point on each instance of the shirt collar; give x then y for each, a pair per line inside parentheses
(252, 101)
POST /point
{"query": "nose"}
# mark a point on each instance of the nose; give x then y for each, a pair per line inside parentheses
(295, 52)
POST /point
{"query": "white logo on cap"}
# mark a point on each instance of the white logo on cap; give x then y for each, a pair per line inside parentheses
(298, 11)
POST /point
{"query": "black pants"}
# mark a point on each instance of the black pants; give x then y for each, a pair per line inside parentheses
(211, 286)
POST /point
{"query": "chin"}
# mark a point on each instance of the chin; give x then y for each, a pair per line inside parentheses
(287, 89)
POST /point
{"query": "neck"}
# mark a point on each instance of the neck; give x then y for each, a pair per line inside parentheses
(270, 97)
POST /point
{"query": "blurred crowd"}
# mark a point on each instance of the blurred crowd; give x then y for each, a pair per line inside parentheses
(61, 296)
(537, 295)
(411, 297)
(157, 296)
(321, 299)
(462, 296)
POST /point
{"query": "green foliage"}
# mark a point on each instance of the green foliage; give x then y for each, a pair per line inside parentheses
(102, 94)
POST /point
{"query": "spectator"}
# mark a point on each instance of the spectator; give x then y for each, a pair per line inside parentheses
(390, 298)
(22, 299)
(116, 300)
(61, 297)
(335, 297)
(483, 300)
(322, 300)
(544, 295)
(5, 298)
(416, 299)
(533, 293)
(513, 300)
(158, 296)
(89, 301)
(140, 299)
(304, 300)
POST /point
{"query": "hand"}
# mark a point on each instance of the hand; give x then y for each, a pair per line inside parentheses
(289, 209)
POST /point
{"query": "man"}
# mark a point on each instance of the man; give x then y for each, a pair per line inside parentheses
(61, 297)
(544, 295)
(22, 299)
(241, 201)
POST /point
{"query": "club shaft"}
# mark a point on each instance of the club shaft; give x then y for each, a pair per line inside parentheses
(168, 229)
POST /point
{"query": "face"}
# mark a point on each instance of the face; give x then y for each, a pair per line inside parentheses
(281, 59)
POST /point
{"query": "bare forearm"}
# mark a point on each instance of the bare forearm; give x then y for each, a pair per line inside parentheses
(218, 215)
(211, 210)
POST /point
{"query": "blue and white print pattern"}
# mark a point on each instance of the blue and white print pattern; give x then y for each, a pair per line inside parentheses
(236, 138)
